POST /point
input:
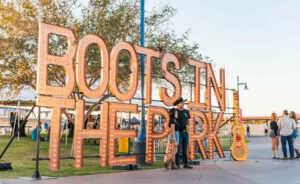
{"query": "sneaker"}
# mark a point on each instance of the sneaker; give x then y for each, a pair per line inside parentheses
(277, 154)
(292, 158)
(273, 154)
(284, 158)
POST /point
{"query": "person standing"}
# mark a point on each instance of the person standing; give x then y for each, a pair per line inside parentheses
(174, 139)
(90, 126)
(274, 134)
(248, 130)
(46, 127)
(13, 124)
(182, 117)
(295, 132)
(71, 126)
(286, 126)
(266, 129)
(63, 128)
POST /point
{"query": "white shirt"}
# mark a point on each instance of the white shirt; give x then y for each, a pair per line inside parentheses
(286, 125)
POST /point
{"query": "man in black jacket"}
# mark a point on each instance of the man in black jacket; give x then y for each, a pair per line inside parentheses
(181, 116)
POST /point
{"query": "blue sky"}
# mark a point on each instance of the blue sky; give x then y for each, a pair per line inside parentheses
(259, 40)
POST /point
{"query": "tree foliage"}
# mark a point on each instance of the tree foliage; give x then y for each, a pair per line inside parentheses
(114, 20)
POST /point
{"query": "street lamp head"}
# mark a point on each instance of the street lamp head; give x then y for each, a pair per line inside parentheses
(246, 87)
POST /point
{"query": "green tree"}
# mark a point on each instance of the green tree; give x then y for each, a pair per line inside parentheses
(19, 38)
(112, 19)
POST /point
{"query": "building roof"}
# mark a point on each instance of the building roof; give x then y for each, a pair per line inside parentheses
(258, 118)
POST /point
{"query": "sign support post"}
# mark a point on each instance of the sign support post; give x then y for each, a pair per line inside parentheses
(36, 174)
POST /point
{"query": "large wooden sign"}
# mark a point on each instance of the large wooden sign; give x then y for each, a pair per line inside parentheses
(239, 149)
(74, 64)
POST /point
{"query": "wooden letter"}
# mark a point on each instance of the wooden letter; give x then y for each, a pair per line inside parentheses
(44, 59)
(150, 53)
(172, 78)
(151, 135)
(134, 63)
(219, 92)
(80, 133)
(115, 134)
(213, 135)
(57, 104)
(197, 138)
(81, 67)
(198, 65)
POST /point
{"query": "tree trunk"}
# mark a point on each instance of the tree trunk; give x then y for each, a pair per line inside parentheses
(90, 110)
(96, 105)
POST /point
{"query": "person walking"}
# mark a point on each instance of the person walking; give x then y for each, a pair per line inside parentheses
(90, 126)
(274, 134)
(248, 130)
(174, 139)
(266, 129)
(295, 132)
(286, 126)
(182, 117)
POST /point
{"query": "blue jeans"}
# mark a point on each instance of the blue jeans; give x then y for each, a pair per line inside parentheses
(295, 133)
(184, 142)
(289, 139)
(176, 136)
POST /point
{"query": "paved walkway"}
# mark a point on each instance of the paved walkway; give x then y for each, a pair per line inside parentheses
(259, 168)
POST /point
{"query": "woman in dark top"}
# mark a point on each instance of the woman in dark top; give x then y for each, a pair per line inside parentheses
(173, 138)
(295, 134)
(274, 134)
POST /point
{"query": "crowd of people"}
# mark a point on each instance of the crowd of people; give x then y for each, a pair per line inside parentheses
(287, 129)
(284, 129)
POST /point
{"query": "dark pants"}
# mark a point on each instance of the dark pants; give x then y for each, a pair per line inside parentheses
(289, 139)
(184, 142)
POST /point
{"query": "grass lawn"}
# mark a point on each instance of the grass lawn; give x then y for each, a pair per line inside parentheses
(20, 154)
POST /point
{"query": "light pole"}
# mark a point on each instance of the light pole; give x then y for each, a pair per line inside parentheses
(241, 84)
(142, 133)
(139, 146)
(238, 91)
